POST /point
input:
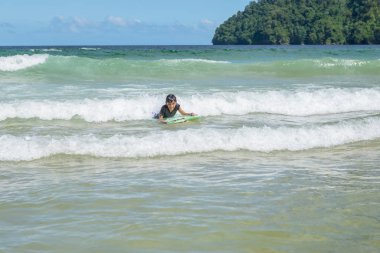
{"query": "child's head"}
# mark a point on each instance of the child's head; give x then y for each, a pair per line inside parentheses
(171, 101)
(171, 98)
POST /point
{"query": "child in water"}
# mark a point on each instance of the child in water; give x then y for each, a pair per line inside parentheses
(170, 108)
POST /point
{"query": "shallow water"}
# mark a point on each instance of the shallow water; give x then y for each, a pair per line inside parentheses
(284, 159)
(311, 201)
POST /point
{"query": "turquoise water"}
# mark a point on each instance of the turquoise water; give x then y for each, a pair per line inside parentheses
(284, 159)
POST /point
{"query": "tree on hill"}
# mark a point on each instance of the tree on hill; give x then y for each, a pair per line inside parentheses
(303, 22)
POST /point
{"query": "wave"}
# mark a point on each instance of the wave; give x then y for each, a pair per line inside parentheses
(285, 102)
(19, 62)
(90, 48)
(45, 50)
(76, 67)
(190, 60)
(264, 139)
(51, 50)
(91, 110)
(325, 66)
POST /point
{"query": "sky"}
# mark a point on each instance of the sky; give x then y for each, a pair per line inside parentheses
(113, 22)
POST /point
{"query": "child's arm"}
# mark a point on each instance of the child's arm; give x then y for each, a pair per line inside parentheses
(186, 113)
(161, 119)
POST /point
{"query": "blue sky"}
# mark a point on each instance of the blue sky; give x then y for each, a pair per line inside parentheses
(113, 22)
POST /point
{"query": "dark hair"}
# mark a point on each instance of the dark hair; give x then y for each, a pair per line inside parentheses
(170, 98)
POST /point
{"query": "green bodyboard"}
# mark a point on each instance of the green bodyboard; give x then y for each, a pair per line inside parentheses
(181, 119)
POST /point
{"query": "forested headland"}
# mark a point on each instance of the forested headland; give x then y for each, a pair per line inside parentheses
(276, 22)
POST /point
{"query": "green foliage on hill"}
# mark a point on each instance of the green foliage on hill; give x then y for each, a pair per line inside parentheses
(303, 22)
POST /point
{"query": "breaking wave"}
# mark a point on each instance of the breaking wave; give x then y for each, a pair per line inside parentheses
(286, 102)
(74, 67)
(19, 62)
(259, 139)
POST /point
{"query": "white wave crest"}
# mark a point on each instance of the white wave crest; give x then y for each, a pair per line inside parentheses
(91, 110)
(52, 50)
(345, 63)
(294, 103)
(263, 139)
(90, 48)
(176, 61)
(18, 62)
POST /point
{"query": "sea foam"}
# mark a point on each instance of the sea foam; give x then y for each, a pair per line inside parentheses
(259, 139)
(285, 102)
(192, 60)
(91, 110)
(18, 62)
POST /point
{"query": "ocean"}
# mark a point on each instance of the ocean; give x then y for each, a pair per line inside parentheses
(285, 157)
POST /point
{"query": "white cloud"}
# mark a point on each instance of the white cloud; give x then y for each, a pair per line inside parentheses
(81, 22)
(74, 25)
(115, 29)
(117, 21)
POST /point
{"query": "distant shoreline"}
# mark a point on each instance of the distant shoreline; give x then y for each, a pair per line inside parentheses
(184, 46)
